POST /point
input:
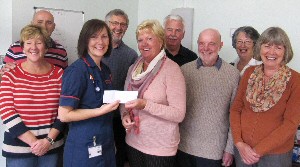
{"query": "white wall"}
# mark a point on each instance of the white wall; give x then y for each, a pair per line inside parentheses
(23, 11)
(6, 24)
(224, 15)
(5, 40)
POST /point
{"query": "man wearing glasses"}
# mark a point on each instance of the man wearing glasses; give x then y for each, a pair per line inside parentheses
(121, 58)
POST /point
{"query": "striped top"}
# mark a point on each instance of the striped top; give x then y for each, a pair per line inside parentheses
(56, 54)
(29, 102)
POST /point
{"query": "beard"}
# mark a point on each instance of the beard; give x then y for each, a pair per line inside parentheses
(116, 38)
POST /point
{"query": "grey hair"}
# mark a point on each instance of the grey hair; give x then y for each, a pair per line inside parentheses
(116, 12)
(174, 17)
(249, 31)
(277, 36)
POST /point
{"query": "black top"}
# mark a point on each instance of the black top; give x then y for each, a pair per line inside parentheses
(184, 56)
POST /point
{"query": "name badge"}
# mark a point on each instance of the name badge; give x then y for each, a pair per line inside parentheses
(95, 151)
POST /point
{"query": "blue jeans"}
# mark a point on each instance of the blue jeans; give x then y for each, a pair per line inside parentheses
(49, 160)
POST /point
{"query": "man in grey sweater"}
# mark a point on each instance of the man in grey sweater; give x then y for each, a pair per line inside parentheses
(211, 86)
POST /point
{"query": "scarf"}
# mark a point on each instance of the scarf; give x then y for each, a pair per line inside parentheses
(140, 80)
(263, 96)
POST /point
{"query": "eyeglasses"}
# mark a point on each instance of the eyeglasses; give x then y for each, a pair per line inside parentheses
(115, 23)
(247, 43)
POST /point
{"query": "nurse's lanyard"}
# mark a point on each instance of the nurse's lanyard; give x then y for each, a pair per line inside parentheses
(96, 83)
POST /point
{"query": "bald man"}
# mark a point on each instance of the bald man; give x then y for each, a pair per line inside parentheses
(56, 54)
(205, 136)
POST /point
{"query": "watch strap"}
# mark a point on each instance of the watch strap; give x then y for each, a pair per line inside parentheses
(50, 140)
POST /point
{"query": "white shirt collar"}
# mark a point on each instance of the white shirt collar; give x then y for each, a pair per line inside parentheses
(252, 62)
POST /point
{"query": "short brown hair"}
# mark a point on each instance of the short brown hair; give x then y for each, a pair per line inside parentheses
(277, 36)
(34, 31)
(90, 28)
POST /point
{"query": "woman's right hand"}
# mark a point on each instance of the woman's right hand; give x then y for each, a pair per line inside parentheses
(248, 155)
(127, 122)
(137, 104)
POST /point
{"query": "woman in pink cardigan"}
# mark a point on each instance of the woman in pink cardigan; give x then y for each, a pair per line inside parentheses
(151, 121)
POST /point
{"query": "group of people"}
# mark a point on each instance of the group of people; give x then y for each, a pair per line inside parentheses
(192, 110)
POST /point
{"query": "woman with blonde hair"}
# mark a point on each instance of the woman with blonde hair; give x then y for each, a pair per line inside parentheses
(29, 105)
(151, 121)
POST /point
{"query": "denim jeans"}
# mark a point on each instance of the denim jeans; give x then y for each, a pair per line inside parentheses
(49, 160)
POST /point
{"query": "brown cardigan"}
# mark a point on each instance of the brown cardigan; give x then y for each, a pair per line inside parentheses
(270, 132)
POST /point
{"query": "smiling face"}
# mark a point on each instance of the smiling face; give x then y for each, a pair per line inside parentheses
(35, 49)
(118, 27)
(272, 55)
(273, 48)
(174, 33)
(244, 46)
(98, 44)
(149, 44)
(44, 19)
(209, 45)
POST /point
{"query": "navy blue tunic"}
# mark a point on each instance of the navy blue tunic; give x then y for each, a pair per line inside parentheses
(83, 86)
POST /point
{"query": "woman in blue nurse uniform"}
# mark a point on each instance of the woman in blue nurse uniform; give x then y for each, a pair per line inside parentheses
(90, 139)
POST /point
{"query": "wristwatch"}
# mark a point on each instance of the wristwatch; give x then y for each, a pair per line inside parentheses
(50, 140)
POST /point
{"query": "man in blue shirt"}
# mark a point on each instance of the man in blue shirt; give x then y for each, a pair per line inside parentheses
(121, 58)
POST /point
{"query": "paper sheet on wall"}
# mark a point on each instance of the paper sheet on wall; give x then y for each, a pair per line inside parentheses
(124, 96)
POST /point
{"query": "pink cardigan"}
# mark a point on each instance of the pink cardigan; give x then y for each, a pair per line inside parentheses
(165, 108)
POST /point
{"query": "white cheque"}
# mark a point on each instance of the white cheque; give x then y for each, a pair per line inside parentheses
(124, 96)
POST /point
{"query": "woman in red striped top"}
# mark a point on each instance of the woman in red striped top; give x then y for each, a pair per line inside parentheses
(29, 105)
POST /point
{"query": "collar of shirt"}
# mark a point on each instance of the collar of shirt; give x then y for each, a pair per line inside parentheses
(89, 61)
(252, 62)
(120, 44)
(218, 64)
(180, 52)
(52, 43)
